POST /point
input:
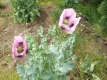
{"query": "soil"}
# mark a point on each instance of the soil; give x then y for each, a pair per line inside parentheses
(9, 29)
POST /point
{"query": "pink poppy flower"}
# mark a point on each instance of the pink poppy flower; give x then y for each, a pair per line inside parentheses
(19, 48)
(68, 20)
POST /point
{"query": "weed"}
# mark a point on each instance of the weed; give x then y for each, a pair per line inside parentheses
(87, 68)
(83, 46)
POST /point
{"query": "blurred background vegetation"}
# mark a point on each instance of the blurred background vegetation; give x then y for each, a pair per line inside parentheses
(94, 11)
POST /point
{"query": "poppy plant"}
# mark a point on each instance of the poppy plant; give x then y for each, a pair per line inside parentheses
(68, 20)
(19, 48)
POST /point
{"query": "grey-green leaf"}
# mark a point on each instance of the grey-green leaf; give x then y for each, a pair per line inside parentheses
(20, 70)
(54, 49)
(46, 75)
(74, 57)
(93, 65)
(63, 77)
(95, 77)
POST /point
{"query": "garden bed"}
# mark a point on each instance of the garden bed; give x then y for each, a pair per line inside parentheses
(9, 28)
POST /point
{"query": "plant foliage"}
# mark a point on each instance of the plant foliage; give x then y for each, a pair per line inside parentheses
(70, 3)
(102, 9)
(48, 59)
(25, 10)
(88, 68)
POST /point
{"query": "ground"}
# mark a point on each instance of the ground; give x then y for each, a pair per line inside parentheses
(9, 28)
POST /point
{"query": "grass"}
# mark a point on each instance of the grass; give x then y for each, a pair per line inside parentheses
(55, 15)
(89, 12)
(81, 49)
(7, 68)
(99, 70)
(8, 74)
(88, 44)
